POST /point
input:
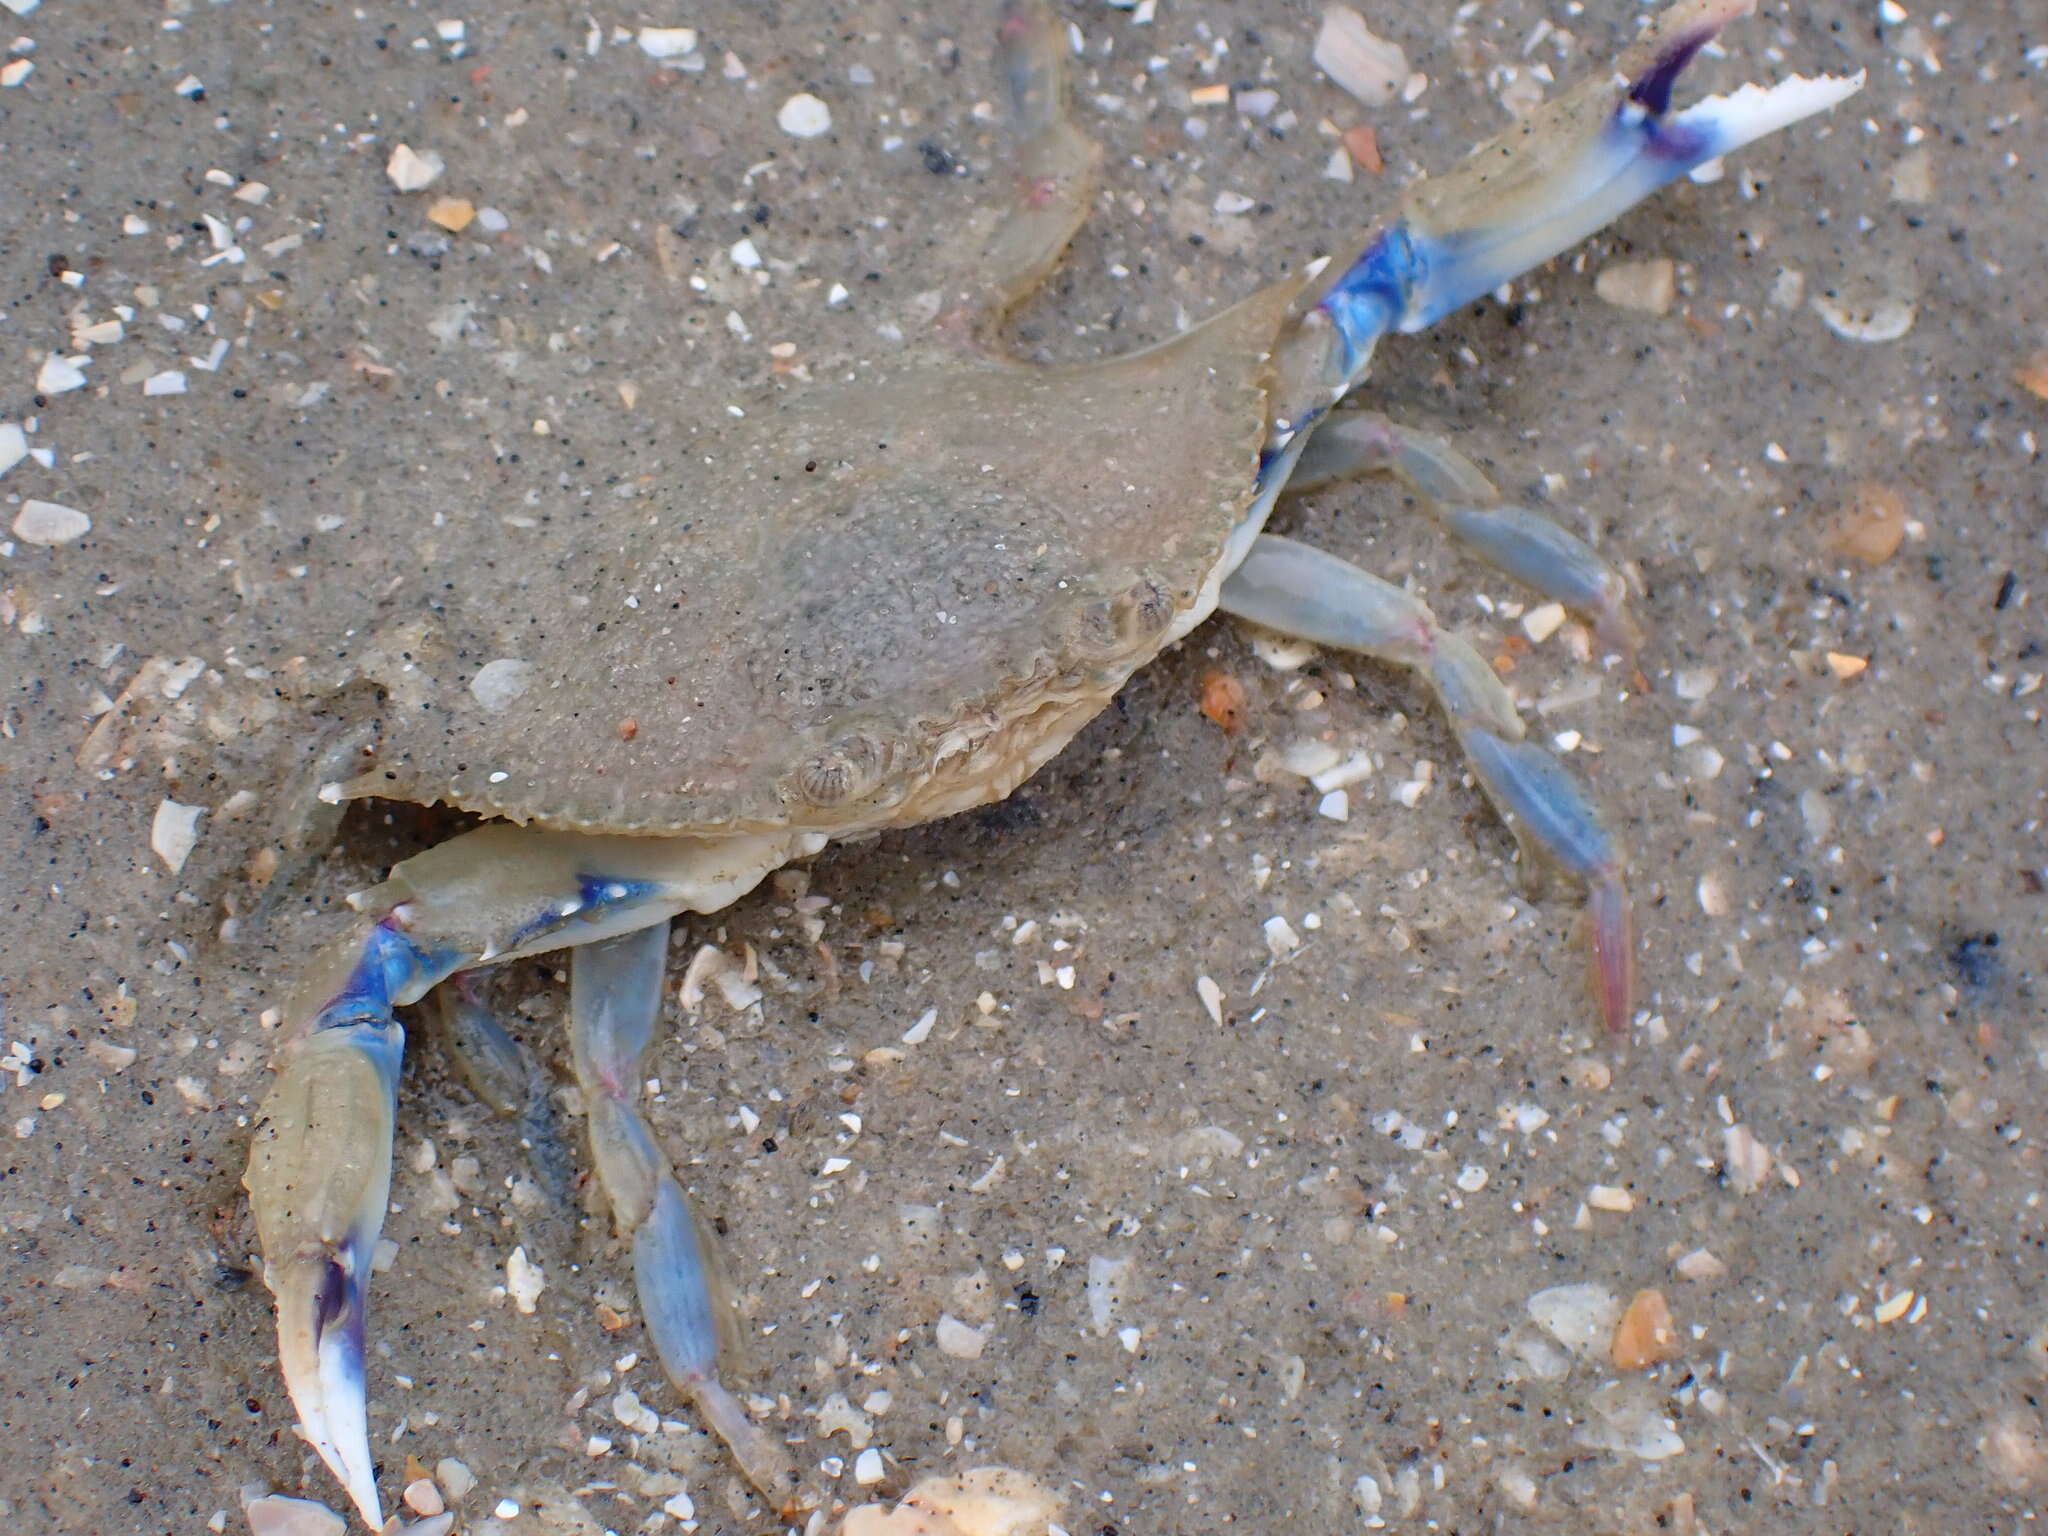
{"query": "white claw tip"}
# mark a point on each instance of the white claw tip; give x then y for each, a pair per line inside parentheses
(1750, 112)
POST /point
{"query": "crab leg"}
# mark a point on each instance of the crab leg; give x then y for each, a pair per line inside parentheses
(614, 1003)
(1304, 592)
(502, 1075)
(1054, 167)
(1523, 543)
(320, 1165)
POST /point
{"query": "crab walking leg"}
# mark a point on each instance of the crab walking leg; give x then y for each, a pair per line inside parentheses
(1573, 166)
(1054, 167)
(1553, 815)
(614, 1003)
(1523, 543)
(504, 1077)
(319, 1171)
(1315, 596)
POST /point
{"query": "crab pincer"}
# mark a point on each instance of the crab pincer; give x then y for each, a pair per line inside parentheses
(319, 1177)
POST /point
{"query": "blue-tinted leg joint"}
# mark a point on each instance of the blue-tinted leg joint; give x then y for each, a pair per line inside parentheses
(1372, 294)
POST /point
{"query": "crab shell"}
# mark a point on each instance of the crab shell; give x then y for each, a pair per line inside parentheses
(888, 601)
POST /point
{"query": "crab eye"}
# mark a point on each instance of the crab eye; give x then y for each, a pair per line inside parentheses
(1112, 627)
(1147, 609)
(844, 771)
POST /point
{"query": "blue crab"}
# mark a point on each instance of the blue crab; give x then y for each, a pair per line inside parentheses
(941, 574)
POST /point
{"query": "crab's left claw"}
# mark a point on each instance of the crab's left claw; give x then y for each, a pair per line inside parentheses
(319, 1178)
(1573, 166)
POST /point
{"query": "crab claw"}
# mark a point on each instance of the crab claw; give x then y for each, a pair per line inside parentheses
(1573, 166)
(319, 1178)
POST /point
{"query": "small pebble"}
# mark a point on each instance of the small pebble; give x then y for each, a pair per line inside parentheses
(1699, 1264)
(1645, 1335)
(1518, 1486)
(2032, 374)
(1872, 526)
(506, 1509)
(1362, 144)
(1223, 701)
(423, 1498)
(1647, 286)
(958, 1339)
(451, 213)
(804, 116)
(1541, 622)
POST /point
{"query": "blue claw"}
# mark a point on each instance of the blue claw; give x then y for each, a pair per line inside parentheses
(319, 1177)
(319, 1180)
(1577, 164)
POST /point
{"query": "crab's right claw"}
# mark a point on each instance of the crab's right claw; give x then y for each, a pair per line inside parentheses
(1572, 167)
(319, 1178)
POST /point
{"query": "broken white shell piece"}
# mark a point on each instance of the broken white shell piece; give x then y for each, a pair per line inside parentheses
(1107, 1282)
(982, 1501)
(524, 1280)
(667, 42)
(1886, 320)
(173, 833)
(50, 522)
(1367, 66)
(411, 169)
(1281, 939)
(498, 683)
(1580, 1317)
(59, 375)
(273, 1514)
(713, 966)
